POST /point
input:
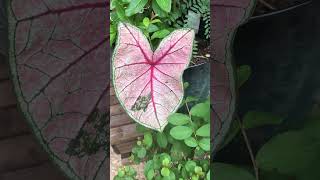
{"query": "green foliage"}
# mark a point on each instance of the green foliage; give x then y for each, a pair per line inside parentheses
(293, 154)
(223, 171)
(126, 173)
(243, 74)
(182, 150)
(157, 18)
(202, 8)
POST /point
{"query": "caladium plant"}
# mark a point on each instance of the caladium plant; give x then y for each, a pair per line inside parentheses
(149, 83)
(228, 15)
(59, 66)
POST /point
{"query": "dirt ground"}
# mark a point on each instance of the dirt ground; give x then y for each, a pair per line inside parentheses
(115, 162)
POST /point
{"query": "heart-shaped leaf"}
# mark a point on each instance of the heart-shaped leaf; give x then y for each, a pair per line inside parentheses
(59, 63)
(227, 16)
(149, 84)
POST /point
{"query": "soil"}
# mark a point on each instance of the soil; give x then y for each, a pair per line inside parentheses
(203, 55)
(115, 162)
(267, 6)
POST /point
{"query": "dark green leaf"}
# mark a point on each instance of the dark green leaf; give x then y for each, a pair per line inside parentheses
(288, 153)
(253, 119)
(243, 73)
(229, 172)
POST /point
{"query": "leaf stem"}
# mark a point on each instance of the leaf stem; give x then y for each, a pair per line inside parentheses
(245, 137)
(267, 4)
(190, 120)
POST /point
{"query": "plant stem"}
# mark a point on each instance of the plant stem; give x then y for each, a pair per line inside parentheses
(190, 119)
(267, 4)
(245, 137)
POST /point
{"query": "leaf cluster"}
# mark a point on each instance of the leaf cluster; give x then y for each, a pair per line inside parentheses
(290, 155)
(126, 173)
(182, 150)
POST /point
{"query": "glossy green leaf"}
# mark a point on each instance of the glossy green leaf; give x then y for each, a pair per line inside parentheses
(158, 11)
(164, 5)
(135, 7)
(160, 34)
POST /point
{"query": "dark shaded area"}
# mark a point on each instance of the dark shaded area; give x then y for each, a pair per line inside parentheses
(283, 52)
(3, 28)
(267, 6)
(198, 78)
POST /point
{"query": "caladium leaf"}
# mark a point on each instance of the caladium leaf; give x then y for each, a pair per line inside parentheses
(227, 16)
(59, 64)
(149, 84)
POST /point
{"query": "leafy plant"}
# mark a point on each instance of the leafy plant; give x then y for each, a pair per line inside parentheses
(152, 17)
(182, 150)
(196, 9)
(288, 155)
(126, 173)
(157, 18)
(149, 84)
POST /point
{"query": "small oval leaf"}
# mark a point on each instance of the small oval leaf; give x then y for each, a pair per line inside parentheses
(191, 142)
(204, 131)
(162, 140)
(181, 132)
(178, 119)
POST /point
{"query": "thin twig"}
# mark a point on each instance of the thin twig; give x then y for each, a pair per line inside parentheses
(245, 137)
(267, 5)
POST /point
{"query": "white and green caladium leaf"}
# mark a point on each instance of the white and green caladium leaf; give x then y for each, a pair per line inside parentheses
(149, 83)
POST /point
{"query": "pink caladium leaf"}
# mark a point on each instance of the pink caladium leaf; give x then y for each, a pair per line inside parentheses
(227, 16)
(59, 62)
(149, 84)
